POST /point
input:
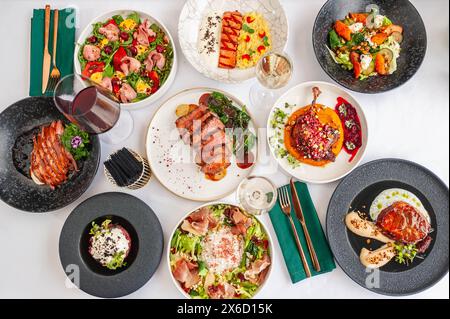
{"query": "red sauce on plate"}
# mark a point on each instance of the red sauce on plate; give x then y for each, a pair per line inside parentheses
(247, 161)
(351, 125)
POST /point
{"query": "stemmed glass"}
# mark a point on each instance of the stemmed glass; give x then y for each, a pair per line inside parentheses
(257, 195)
(93, 108)
(273, 71)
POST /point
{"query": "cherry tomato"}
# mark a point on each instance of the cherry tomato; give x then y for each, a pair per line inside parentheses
(93, 67)
(153, 75)
(110, 22)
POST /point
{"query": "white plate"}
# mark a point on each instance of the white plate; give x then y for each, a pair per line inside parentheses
(177, 284)
(172, 162)
(191, 18)
(300, 96)
(163, 89)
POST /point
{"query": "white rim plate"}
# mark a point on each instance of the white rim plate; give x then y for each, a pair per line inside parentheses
(162, 90)
(172, 162)
(191, 18)
(177, 284)
(300, 96)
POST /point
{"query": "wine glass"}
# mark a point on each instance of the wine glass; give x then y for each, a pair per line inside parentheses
(273, 71)
(92, 108)
(257, 195)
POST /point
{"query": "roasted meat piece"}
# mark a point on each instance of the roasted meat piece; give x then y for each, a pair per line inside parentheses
(402, 222)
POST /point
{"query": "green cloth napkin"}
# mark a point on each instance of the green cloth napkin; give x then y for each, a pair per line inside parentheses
(65, 46)
(287, 242)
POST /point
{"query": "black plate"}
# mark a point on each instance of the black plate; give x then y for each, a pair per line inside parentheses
(414, 43)
(18, 123)
(147, 244)
(357, 191)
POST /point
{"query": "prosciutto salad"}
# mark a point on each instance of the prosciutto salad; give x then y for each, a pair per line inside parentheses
(130, 57)
(220, 252)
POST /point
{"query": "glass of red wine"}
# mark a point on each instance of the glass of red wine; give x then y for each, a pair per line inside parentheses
(92, 108)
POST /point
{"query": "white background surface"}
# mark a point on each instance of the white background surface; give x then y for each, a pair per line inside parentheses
(411, 122)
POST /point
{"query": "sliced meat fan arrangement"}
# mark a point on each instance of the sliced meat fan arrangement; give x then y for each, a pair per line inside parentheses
(51, 163)
(205, 132)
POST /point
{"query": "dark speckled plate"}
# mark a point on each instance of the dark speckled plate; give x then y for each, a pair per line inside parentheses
(414, 44)
(147, 244)
(19, 122)
(356, 192)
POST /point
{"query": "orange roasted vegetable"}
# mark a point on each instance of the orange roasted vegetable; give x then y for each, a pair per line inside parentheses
(380, 64)
(343, 30)
(359, 17)
(379, 38)
(354, 58)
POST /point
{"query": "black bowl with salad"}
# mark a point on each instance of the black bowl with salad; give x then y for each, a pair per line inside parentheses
(369, 46)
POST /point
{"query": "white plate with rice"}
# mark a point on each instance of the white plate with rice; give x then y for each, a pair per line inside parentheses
(193, 24)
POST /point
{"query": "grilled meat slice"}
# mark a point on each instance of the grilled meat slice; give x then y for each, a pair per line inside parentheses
(50, 161)
(205, 132)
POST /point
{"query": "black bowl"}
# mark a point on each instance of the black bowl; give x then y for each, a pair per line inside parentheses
(147, 243)
(356, 192)
(18, 123)
(414, 43)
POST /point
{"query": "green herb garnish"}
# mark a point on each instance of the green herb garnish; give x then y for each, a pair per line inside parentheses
(96, 230)
(405, 254)
(334, 40)
(246, 28)
(117, 261)
(75, 141)
(118, 19)
(135, 17)
(202, 270)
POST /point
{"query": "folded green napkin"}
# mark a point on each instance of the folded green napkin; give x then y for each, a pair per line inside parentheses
(65, 46)
(287, 242)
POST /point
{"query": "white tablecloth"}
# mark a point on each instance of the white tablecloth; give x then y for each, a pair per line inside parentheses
(411, 122)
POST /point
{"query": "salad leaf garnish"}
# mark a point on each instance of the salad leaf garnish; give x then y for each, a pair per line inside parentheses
(78, 150)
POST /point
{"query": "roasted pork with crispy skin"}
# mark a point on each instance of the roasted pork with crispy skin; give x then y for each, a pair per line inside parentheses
(51, 163)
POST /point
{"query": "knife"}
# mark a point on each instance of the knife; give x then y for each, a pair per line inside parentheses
(301, 218)
(47, 58)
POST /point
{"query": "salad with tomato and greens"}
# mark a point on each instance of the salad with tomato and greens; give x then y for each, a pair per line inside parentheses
(128, 56)
(220, 252)
(366, 43)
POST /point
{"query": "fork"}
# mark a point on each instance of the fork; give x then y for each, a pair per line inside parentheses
(55, 75)
(285, 203)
